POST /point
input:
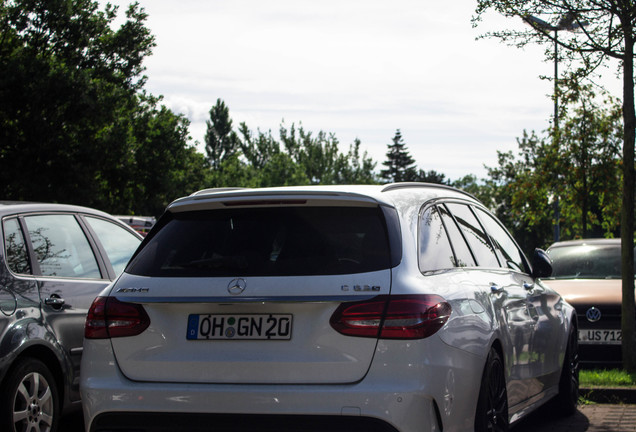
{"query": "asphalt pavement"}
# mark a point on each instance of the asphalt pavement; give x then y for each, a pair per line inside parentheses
(605, 410)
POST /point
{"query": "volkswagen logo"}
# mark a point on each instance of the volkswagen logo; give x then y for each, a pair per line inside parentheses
(237, 286)
(593, 314)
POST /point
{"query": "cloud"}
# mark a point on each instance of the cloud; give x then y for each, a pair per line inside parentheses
(360, 69)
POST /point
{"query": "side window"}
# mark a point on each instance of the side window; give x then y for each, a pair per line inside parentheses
(506, 248)
(118, 243)
(435, 250)
(61, 247)
(463, 255)
(15, 247)
(475, 235)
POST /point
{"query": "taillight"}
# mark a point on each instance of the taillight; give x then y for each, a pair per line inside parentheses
(111, 318)
(392, 317)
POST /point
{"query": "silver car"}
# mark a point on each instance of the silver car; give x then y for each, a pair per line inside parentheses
(404, 307)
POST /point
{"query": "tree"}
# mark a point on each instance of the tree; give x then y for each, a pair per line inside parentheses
(608, 30)
(67, 76)
(221, 142)
(589, 156)
(359, 169)
(400, 166)
(431, 176)
(322, 161)
(77, 126)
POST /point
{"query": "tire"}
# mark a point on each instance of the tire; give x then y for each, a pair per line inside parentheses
(492, 405)
(29, 400)
(566, 402)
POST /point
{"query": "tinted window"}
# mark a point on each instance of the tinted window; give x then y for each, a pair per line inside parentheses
(508, 252)
(463, 256)
(475, 235)
(15, 248)
(267, 242)
(119, 243)
(61, 247)
(586, 261)
(435, 249)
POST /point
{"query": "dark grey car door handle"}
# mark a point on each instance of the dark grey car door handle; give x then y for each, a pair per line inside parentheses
(55, 302)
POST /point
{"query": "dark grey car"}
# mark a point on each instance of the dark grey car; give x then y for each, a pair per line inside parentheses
(54, 260)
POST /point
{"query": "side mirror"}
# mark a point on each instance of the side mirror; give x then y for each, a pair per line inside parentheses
(541, 264)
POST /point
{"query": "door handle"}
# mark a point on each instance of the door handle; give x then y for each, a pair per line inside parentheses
(55, 301)
(496, 289)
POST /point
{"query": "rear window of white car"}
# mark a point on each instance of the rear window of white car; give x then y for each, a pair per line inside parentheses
(267, 241)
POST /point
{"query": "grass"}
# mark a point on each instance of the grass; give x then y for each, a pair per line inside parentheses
(606, 378)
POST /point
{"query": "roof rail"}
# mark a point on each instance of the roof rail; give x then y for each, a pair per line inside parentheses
(404, 185)
(213, 190)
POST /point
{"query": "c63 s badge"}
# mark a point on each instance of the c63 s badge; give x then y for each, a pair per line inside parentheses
(361, 288)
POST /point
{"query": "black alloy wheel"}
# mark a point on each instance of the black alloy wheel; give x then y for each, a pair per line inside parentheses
(567, 400)
(492, 405)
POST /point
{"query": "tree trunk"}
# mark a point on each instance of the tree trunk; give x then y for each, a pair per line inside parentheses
(627, 213)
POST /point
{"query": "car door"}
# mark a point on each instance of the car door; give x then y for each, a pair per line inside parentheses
(508, 296)
(19, 298)
(542, 360)
(70, 273)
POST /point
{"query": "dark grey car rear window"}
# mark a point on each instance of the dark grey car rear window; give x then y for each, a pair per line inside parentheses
(280, 241)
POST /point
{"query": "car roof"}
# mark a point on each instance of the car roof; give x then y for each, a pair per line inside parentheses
(585, 242)
(389, 194)
(15, 207)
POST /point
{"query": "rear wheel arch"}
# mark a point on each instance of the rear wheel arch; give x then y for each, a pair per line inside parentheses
(47, 356)
(491, 412)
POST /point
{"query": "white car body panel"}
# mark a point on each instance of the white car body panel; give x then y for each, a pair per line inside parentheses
(316, 353)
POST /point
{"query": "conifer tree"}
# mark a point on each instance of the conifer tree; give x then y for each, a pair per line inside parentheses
(400, 166)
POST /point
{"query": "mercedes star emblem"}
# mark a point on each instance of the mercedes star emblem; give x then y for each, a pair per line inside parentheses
(237, 286)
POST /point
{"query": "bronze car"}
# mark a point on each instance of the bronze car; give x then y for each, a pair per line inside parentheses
(587, 273)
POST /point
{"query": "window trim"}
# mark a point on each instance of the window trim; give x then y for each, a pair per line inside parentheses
(35, 264)
(472, 208)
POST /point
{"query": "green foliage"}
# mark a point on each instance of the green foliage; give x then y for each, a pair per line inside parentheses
(76, 125)
(607, 378)
(578, 176)
(321, 160)
(221, 142)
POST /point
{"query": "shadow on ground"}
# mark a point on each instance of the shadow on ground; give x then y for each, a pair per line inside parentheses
(546, 419)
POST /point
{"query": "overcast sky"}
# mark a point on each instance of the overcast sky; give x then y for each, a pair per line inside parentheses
(357, 68)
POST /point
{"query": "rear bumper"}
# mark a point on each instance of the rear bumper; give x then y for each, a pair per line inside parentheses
(608, 356)
(174, 422)
(389, 399)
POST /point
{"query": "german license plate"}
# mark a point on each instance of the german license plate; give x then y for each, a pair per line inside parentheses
(600, 337)
(239, 327)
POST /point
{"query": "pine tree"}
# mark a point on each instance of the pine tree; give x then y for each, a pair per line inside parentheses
(400, 166)
(221, 142)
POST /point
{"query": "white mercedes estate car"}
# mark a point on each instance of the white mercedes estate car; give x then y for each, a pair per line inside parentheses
(395, 308)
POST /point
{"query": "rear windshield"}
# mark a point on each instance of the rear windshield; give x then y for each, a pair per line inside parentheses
(281, 241)
(586, 261)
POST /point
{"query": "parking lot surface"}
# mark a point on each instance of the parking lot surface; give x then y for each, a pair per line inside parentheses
(588, 418)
